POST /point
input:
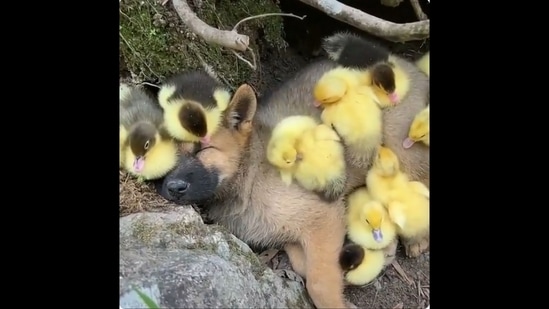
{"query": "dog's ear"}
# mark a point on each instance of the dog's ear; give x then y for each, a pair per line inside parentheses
(241, 109)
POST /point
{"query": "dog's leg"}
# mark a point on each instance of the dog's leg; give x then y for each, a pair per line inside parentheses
(297, 258)
(322, 245)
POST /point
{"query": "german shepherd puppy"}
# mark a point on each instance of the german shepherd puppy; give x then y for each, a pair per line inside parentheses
(240, 190)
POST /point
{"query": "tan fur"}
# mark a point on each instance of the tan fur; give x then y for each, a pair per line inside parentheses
(256, 206)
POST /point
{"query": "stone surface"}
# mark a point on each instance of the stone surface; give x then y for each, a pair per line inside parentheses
(180, 262)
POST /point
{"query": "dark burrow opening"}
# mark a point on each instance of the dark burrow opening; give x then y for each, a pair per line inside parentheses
(304, 39)
(305, 35)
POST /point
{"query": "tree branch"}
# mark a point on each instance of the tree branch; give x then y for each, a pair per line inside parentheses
(229, 39)
(417, 9)
(371, 24)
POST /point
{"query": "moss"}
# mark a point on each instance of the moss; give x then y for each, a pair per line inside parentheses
(199, 233)
(257, 268)
(184, 228)
(302, 301)
(144, 231)
(154, 43)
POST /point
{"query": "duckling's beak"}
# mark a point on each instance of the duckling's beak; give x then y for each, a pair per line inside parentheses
(407, 143)
(205, 141)
(378, 236)
(316, 103)
(139, 164)
(393, 97)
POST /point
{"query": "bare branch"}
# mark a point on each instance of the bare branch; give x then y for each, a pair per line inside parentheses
(265, 15)
(417, 9)
(253, 64)
(369, 23)
(149, 84)
(229, 39)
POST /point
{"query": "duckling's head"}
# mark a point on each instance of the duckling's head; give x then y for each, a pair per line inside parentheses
(419, 130)
(333, 86)
(142, 139)
(383, 77)
(386, 162)
(192, 117)
(289, 156)
(373, 215)
(282, 156)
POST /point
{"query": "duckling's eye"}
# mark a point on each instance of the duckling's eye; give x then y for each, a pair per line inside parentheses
(367, 221)
(147, 144)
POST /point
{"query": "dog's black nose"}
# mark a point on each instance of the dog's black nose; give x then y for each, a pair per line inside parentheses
(177, 186)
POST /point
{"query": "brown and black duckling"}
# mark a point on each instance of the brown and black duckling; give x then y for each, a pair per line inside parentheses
(390, 82)
(146, 149)
(193, 104)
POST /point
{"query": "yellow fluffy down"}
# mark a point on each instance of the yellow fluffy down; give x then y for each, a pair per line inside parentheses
(123, 136)
(172, 108)
(356, 116)
(419, 129)
(323, 162)
(160, 159)
(284, 138)
(423, 63)
(363, 215)
(369, 269)
(176, 130)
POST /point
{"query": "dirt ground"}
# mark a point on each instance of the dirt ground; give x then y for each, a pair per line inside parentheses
(404, 284)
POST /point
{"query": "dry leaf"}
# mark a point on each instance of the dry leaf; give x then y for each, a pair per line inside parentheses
(402, 273)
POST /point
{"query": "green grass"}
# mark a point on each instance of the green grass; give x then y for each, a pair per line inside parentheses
(151, 304)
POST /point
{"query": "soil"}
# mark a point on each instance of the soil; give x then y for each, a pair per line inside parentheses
(405, 283)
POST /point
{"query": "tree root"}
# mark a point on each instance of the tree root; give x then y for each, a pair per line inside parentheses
(229, 39)
(417, 9)
(371, 24)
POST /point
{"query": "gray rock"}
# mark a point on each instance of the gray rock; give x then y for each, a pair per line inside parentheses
(180, 262)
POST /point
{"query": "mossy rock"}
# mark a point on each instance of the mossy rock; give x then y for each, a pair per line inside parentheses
(154, 43)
